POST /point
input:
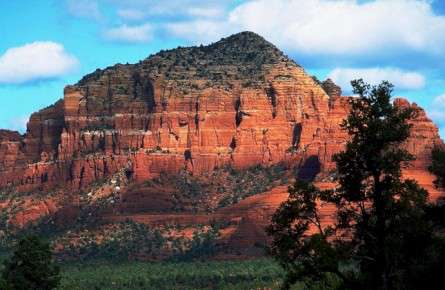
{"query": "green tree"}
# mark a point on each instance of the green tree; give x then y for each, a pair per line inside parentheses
(438, 165)
(304, 257)
(31, 266)
(382, 235)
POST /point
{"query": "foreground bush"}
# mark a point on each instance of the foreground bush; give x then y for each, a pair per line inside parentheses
(30, 267)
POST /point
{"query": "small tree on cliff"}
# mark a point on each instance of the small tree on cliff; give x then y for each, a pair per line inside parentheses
(31, 266)
(438, 165)
(381, 233)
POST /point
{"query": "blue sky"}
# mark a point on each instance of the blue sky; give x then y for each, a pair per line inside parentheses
(47, 44)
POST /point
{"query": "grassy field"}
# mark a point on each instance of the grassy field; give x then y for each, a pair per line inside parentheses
(254, 274)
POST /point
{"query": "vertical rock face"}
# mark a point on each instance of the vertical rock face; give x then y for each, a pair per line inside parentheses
(10, 149)
(237, 102)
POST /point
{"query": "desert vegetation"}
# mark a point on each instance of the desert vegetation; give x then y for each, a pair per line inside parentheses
(222, 187)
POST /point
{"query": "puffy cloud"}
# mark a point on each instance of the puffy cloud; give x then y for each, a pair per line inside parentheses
(199, 31)
(399, 78)
(343, 27)
(84, 9)
(35, 61)
(130, 34)
(318, 33)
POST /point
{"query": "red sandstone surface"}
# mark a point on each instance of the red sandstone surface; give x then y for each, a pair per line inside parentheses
(177, 111)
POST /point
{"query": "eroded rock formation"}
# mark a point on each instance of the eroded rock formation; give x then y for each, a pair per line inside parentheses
(331, 88)
(238, 102)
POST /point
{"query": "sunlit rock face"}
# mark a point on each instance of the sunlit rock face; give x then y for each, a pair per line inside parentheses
(238, 102)
(196, 111)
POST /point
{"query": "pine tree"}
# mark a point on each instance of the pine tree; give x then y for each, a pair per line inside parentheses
(31, 266)
(382, 234)
(438, 165)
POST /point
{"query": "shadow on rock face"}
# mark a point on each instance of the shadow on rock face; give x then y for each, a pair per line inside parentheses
(310, 168)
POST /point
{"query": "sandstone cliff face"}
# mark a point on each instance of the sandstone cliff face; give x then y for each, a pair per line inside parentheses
(238, 102)
(10, 149)
(196, 108)
(177, 110)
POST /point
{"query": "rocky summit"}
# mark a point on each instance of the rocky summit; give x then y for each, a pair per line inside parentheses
(189, 136)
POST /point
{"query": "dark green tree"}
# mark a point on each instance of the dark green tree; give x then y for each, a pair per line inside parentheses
(31, 266)
(305, 257)
(438, 165)
(382, 235)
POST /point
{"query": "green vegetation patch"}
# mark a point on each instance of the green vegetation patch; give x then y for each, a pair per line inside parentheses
(253, 274)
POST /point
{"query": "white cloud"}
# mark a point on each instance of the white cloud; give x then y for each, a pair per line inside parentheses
(201, 8)
(439, 102)
(339, 27)
(199, 31)
(84, 8)
(131, 34)
(206, 12)
(18, 124)
(131, 14)
(134, 14)
(438, 117)
(35, 61)
(437, 112)
(200, 12)
(342, 27)
(399, 78)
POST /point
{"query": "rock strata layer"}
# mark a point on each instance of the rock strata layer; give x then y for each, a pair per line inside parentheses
(237, 102)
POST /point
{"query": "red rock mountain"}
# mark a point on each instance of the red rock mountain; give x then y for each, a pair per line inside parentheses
(236, 103)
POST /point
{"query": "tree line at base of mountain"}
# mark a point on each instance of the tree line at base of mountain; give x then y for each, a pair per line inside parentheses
(386, 234)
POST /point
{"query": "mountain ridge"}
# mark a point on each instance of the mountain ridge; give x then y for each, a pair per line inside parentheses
(155, 141)
(243, 57)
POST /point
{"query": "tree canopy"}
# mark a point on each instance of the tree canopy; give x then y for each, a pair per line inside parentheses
(438, 165)
(381, 237)
(31, 266)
